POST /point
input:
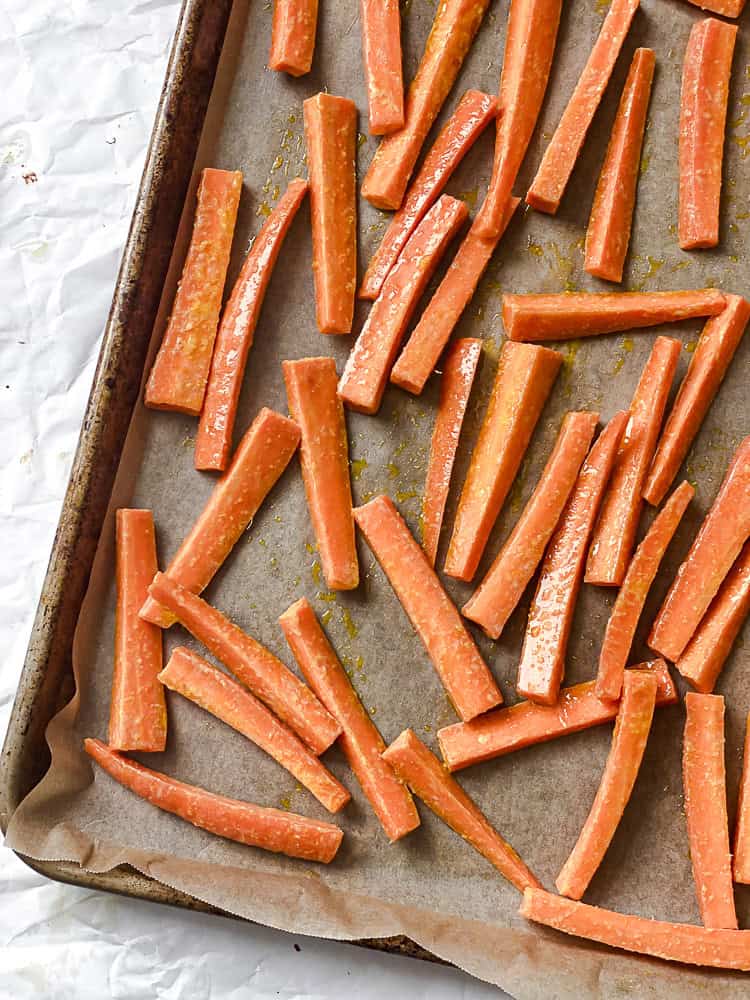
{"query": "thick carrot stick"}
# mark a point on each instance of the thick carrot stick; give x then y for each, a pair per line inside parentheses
(705, 787)
(360, 741)
(611, 219)
(180, 372)
(524, 379)
(717, 545)
(324, 457)
(616, 529)
(729, 8)
(369, 364)
(493, 602)
(464, 674)
(632, 726)
(293, 36)
(703, 113)
(453, 30)
(213, 442)
(195, 678)
(424, 774)
(257, 826)
(262, 455)
(137, 711)
(331, 138)
(741, 865)
(259, 670)
(455, 388)
(380, 23)
(717, 344)
(474, 111)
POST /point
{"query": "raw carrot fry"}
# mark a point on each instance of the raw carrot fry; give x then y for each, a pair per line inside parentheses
(523, 381)
(196, 679)
(608, 233)
(560, 156)
(424, 774)
(293, 36)
(360, 741)
(213, 442)
(713, 354)
(474, 111)
(137, 712)
(703, 113)
(257, 826)
(259, 670)
(632, 726)
(455, 388)
(493, 602)
(545, 641)
(366, 373)
(380, 21)
(324, 457)
(724, 531)
(331, 138)
(705, 788)
(465, 676)
(620, 631)
(741, 865)
(616, 529)
(180, 372)
(729, 8)
(262, 455)
(453, 30)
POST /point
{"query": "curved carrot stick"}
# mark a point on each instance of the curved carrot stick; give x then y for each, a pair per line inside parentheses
(741, 866)
(380, 21)
(293, 36)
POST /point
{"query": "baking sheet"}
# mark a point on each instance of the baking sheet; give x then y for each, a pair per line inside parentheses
(431, 886)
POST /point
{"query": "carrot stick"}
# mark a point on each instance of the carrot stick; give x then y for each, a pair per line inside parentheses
(324, 457)
(455, 388)
(331, 138)
(632, 727)
(616, 529)
(180, 372)
(137, 711)
(293, 36)
(545, 641)
(453, 30)
(718, 543)
(262, 455)
(618, 637)
(729, 8)
(560, 156)
(492, 604)
(360, 741)
(195, 678)
(716, 347)
(474, 111)
(270, 829)
(366, 373)
(611, 219)
(381, 56)
(741, 867)
(258, 669)
(464, 674)
(524, 379)
(213, 442)
(703, 113)
(705, 787)
(424, 774)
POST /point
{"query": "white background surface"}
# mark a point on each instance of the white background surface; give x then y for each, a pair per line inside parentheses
(80, 81)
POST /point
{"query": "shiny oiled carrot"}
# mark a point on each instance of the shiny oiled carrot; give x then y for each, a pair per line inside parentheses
(741, 863)
(293, 36)
(380, 22)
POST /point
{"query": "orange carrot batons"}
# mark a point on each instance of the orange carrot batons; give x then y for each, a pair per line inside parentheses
(293, 36)
(741, 866)
(380, 21)
(728, 8)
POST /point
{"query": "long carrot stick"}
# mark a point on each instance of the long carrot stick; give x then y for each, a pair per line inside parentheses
(380, 22)
(213, 442)
(360, 741)
(729, 8)
(464, 674)
(293, 36)
(270, 829)
(741, 865)
(180, 372)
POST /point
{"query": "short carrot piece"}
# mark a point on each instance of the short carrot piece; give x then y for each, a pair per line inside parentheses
(213, 442)
(380, 21)
(705, 787)
(293, 36)
(497, 596)
(180, 372)
(729, 8)
(324, 458)
(741, 865)
(413, 764)
(464, 674)
(360, 740)
(270, 829)
(137, 712)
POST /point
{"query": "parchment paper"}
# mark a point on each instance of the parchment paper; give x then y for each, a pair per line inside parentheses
(431, 886)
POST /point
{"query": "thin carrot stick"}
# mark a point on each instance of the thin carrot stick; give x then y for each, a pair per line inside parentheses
(293, 36)
(380, 21)
(741, 866)
(729, 8)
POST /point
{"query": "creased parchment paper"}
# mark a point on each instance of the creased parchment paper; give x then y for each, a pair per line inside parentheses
(431, 886)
